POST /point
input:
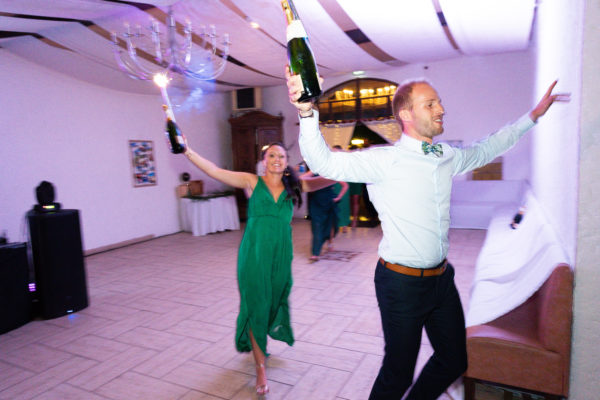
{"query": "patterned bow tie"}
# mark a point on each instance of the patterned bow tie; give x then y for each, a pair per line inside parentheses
(432, 148)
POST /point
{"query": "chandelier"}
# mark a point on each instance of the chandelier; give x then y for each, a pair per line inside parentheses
(150, 56)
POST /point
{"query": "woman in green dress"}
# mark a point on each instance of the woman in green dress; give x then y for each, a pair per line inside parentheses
(265, 253)
(343, 205)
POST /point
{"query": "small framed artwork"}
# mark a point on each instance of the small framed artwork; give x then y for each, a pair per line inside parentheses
(142, 162)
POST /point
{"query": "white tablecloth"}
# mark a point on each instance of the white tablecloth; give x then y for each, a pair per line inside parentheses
(513, 264)
(202, 217)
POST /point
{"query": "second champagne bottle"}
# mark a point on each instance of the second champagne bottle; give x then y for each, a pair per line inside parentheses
(300, 55)
(174, 136)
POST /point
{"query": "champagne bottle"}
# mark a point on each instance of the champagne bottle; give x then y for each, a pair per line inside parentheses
(174, 136)
(300, 56)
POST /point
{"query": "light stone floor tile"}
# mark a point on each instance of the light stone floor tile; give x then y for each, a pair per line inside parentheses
(195, 395)
(328, 356)
(111, 331)
(326, 330)
(36, 358)
(149, 338)
(94, 347)
(358, 342)
(48, 379)
(319, 383)
(304, 316)
(215, 311)
(161, 325)
(178, 314)
(28, 334)
(105, 371)
(200, 330)
(133, 386)
(368, 322)
(12, 375)
(277, 391)
(68, 392)
(359, 384)
(172, 357)
(218, 353)
(335, 292)
(71, 333)
(208, 379)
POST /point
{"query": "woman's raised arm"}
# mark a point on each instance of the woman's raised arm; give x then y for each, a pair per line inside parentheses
(242, 180)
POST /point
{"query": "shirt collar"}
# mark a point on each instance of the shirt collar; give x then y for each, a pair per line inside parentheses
(410, 143)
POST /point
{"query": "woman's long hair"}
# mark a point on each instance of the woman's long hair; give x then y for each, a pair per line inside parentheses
(290, 179)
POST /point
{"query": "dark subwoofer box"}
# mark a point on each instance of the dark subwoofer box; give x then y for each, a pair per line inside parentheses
(15, 299)
(60, 277)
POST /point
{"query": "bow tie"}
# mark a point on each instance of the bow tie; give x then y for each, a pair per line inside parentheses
(432, 148)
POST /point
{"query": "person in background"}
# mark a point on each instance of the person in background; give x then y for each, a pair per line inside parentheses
(265, 253)
(517, 218)
(322, 209)
(343, 204)
(355, 190)
(410, 184)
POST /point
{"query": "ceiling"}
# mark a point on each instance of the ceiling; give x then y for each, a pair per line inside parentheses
(73, 36)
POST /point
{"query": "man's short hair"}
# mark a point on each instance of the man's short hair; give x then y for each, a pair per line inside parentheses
(402, 98)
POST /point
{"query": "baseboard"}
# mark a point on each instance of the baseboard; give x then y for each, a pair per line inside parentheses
(117, 245)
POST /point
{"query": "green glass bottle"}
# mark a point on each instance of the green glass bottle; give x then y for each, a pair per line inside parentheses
(174, 136)
(300, 56)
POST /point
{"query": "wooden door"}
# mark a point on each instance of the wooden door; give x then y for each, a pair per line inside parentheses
(265, 136)
(244, 149)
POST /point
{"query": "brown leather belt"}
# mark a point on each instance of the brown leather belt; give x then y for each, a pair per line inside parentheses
(421, 272)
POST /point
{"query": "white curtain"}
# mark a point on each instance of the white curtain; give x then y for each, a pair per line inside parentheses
(389, 129)
(338, 134)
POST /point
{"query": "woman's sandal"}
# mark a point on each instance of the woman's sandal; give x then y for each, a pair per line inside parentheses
(261, 390)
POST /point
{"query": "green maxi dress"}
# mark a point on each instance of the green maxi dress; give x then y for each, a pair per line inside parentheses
(265, 270)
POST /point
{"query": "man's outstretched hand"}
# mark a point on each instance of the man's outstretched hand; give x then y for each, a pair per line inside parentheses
(547, 100)
(295, 88)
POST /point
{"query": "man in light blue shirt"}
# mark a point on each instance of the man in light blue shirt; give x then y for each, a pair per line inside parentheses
(409, 184)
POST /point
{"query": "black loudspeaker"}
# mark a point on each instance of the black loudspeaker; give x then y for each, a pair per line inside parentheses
(15, 300)
(60, 278)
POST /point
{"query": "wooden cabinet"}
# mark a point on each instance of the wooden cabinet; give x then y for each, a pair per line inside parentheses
(249, 133)
(489, 172)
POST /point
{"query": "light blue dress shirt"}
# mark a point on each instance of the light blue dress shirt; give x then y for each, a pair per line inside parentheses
(410, 190)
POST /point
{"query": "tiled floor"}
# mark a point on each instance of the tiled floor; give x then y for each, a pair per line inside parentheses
(161, 323)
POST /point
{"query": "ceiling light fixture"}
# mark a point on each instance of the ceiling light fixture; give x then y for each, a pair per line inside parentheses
(169, 58)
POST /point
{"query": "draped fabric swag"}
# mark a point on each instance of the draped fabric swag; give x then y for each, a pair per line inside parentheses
(338, 134)
(389, 129)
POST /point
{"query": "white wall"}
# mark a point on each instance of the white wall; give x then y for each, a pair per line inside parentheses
(585, 360)
(75, 135)
(480, 95)
(557, 39)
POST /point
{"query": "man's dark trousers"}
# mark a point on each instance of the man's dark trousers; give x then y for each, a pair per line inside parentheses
(407, 304)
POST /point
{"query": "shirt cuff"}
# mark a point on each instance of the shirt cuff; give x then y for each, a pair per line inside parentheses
(310, 124)
(525, 122)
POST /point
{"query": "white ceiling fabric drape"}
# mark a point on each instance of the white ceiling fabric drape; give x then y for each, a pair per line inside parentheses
(338, 134)
(389, 129)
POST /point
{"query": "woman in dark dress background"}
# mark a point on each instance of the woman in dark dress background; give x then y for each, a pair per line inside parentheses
(322, 208)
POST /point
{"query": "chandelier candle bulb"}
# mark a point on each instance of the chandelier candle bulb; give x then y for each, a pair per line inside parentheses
(300, 55)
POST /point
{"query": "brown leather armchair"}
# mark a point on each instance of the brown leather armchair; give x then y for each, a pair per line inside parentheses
(529, 348)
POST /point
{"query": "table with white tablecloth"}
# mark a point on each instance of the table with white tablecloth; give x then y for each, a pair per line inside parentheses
(206, 214)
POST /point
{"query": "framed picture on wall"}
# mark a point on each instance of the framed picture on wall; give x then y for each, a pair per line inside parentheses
(142, 162)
